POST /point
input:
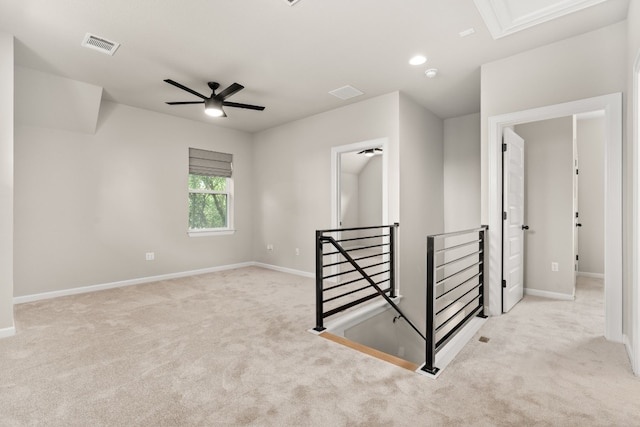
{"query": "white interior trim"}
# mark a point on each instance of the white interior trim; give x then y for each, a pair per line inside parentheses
(453, 347)
(634, 346)
(7, 332)
(612, 104)
(549, 294)
(592, 275)
(123, 283)
(285, 270)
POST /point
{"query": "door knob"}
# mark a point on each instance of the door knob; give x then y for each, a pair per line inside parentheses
(525, 227)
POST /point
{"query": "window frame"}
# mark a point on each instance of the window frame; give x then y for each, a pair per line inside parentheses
(220, 231)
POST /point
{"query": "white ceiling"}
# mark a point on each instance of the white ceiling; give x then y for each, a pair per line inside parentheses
(287, 57)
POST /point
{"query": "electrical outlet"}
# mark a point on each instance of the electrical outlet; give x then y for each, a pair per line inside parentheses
(150, 256)
(554, 266)
(297, 251)
(401, 352)
(269, 246)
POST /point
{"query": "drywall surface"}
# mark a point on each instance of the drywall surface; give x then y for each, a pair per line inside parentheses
(552, 74)
(349, 193)
(421, 202)
(51, 101)
(293, 176)
(590, 140)
(370, 193)
(88, 207)
(462, 173)
(549, 204)
(6, 181)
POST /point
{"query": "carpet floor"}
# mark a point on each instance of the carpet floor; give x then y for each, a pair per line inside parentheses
(231, 349)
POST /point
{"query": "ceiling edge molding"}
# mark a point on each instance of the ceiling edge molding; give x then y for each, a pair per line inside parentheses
(501, 22)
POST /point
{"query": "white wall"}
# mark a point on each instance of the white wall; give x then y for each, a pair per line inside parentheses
(462, 172)
(421, 207)
(590, 141)
(293, 189)
(549, 204)
(349, 195)
(552, 74)
(6, 184)
(370, 193)
(88, 207)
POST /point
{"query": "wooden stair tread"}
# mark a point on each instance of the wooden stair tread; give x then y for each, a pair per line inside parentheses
(370, 351)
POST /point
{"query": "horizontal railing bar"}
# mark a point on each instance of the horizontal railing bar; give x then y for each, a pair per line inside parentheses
(336, 230)
(444, 340)
(459, 272)
(461, 245)
(339, 285)
(351, 292)
(457, 286)
(356, 259)
(476, 253)
(459, 298)
(357, 249)
(458, 233)
(352, 304)
(455, 314)
(362, 238)
(354, 271)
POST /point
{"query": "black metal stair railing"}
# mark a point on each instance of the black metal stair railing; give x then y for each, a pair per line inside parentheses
(352, 279)
(455, 287)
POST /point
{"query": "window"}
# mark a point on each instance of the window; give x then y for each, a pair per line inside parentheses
(210, 192)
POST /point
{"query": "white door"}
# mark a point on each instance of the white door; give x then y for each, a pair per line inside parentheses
(513, 221)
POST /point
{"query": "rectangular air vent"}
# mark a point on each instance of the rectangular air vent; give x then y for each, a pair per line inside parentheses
(291, 2)
(100, 44)
(346, 92)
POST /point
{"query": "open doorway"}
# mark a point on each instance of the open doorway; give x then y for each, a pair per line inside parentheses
(612, 105)
(563, 211)
(359, 183)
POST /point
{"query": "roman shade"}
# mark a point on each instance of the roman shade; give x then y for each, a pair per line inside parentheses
(210, 163)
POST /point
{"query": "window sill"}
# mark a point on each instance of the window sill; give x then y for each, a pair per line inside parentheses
(208, 233)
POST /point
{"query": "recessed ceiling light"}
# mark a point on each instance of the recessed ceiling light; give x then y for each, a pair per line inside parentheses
(418, 60)
(431, 72)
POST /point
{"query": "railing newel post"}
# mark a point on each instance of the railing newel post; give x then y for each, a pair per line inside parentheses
(392, 260)
(430, 345)
(319, 283)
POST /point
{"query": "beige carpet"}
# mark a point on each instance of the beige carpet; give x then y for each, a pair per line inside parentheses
(230, 348)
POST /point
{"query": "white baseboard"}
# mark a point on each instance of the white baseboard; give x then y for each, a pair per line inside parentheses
(285, 270)
(592, 275)
(629, 348)
(453, 347)
(7, 332)
(120, 284)
(548, 294)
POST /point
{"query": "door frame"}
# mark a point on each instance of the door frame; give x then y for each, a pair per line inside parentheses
(612, 105)
(634, 347)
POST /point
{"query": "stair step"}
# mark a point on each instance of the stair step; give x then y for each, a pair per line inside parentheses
(370, 351)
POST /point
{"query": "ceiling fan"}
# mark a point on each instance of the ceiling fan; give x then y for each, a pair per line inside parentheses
(370, 152)
(213, 104)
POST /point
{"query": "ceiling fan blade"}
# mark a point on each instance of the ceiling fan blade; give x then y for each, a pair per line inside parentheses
(247, 106)
(178, 85)
(234, 88)
(185, 102)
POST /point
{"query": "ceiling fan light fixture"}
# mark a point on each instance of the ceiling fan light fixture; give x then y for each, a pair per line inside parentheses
(213, 108)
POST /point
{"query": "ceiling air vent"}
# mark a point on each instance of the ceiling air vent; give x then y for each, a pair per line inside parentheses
(346, 92)
(100, 44)
(291, 2)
